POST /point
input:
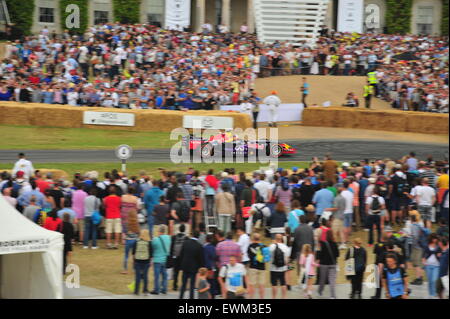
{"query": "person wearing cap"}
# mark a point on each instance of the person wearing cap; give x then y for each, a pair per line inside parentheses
(23, 165)
(273, 102)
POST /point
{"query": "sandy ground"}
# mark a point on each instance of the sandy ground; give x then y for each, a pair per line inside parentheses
(322, 89)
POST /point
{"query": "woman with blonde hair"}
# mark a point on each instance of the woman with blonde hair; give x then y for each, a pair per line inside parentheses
(308, 269)
(359, 255)
(142, 253)
(203, 285)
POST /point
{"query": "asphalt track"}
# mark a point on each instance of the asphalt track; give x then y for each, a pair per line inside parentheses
(341, 150)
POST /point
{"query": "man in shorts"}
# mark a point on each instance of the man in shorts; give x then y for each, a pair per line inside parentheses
(348, 211)
(256, 271)
(425, 198)
(278, 273)
(113, 221)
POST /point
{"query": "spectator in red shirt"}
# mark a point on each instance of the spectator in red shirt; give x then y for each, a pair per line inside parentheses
(41, 183)
(53, 222)
(112, 204)
(34, 79)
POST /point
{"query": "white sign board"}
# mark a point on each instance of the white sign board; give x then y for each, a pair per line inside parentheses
(286, 112)
(124, 152)
(208, 122)
(178, 14)
(350, 16)
(108, 118)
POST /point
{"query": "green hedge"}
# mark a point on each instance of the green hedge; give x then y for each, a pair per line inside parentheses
(21, 14)
(444, 22)
(398, 16)
(127, 11)
(83, 5)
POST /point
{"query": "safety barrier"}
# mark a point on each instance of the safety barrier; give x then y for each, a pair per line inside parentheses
(13, 113)
(382, 120)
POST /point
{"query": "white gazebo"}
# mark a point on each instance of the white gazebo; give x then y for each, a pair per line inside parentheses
(31, 258)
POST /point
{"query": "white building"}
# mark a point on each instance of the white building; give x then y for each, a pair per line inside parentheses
(426, 14)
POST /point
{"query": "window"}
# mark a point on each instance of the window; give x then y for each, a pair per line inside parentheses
(154, 19)
(100, 17)
(47, 15)
(424, 20)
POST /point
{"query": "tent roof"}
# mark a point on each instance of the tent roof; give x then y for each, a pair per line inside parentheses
(19, 234)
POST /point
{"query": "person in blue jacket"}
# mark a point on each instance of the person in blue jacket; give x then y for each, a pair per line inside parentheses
(151, 199)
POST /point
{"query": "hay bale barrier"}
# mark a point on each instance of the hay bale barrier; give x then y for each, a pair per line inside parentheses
(36, 114)
(382, 120)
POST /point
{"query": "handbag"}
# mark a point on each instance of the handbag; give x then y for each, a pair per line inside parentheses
(96, 217)
(350, 264)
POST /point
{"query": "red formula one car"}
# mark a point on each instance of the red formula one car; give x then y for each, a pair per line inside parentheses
(231, 143)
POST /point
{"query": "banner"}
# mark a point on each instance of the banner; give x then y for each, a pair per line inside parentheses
(208, 122)
(108, 118)
(286, 112)
(350, 16)
(177, 14)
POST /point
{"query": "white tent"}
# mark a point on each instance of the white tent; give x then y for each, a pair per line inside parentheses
(31, 257)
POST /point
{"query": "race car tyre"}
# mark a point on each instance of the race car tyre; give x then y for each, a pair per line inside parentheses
(276, 150)
(207, 151)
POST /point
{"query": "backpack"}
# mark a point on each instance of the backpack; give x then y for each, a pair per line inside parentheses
(284, 183)
(259, 215)
(178, 245)
(375, 207)
(262, 254)
(423, 236)
(40, 216)
(142, 252)
(185, 209)
(278, 257)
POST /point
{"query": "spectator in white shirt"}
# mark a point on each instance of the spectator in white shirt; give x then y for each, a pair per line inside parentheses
(243, 242)
(23, 165)
(425, 199)
(348, 212)
(264, 188)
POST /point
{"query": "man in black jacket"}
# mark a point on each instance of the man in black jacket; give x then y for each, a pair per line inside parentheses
(191, 259)
(176, 247)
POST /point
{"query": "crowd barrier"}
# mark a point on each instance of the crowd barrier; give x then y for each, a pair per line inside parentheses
(13, 113)
(286, 112)
(382, 120)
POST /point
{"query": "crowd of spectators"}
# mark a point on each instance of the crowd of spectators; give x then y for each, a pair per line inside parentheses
(301, 210)
(140, 66)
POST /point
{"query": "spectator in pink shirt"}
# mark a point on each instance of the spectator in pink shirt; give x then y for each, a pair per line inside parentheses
(78, 207)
